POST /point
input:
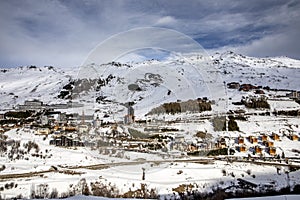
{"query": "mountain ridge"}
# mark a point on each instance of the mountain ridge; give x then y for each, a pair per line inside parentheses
(145, 83)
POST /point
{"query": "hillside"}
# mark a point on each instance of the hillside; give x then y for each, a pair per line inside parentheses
(22, 83)
(147, 84)
(153, 129)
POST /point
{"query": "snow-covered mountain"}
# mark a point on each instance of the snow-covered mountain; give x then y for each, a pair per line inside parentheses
(277, 73)
(108, 88)
(148, 83)
(22, 83)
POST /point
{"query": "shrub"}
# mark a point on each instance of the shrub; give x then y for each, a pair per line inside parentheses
(248, 172)
(197, 105)
(224, 172)
(232, 125)
(2, 168)
(217, 152)
(101, 189)
(19, 114)
(287, 112)
(8, 186)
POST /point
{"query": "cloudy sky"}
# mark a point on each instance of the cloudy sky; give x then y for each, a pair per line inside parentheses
(62, 33)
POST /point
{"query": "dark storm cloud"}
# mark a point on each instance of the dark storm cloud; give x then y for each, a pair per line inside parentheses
(63, 32)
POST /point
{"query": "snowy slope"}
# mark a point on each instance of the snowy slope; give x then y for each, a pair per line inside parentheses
(23, 83)
(148, 83)
(277, 73)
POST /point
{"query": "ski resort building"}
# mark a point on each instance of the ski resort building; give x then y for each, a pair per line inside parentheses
(294, 95)
(32, 105)
(65, 141)
(129, 118)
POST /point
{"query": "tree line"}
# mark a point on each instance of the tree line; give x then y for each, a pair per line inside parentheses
(198, 105)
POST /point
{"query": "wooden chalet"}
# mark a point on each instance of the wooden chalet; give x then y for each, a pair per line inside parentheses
(253, 139)
(272, 151)
(242, 148)
(269, 144)
(56, 128)
(241, 140)
(264, 138)
(275, 137)
(258, 150)
(294, 137)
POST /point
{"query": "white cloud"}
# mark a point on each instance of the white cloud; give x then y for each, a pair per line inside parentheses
(62, 33)
(165, 21)
(280, 44)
